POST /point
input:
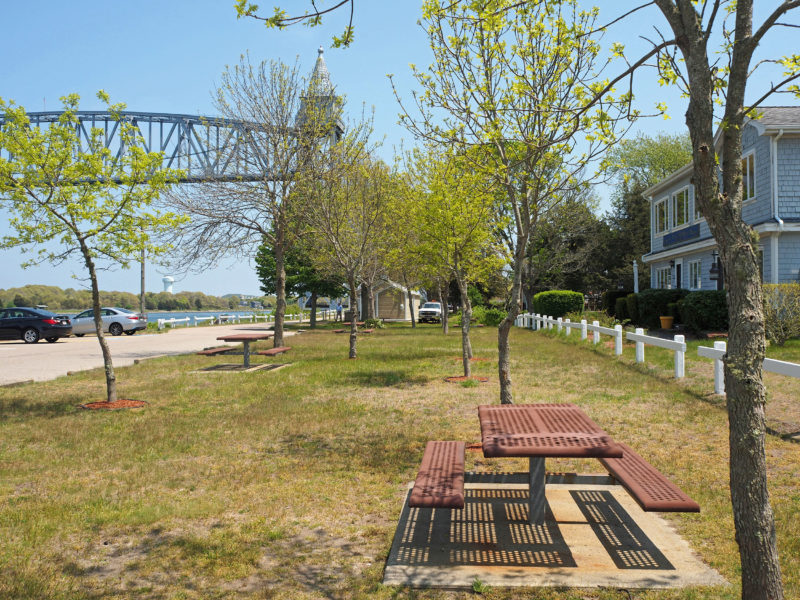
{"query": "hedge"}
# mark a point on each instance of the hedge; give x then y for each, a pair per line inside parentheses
(610, 300)
(705, 311)
(557, 303)
(653, 303)
(621, 309)
(782, 311)
(632, 308)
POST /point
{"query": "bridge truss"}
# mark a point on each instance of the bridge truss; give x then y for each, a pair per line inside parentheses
(204, 148)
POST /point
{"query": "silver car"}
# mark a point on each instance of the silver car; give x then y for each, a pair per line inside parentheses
(115, 321)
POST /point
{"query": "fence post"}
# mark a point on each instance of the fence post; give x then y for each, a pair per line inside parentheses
(583, 329)
(559, 324)
(568, 325)
(595, 333)
(618, 340)
(639, 346)
(719, 369)
(679, 359)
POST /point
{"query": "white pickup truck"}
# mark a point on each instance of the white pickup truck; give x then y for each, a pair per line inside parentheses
(430, 312)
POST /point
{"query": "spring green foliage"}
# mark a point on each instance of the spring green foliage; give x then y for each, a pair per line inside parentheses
(66, 196)
(782, 312)
(301, 275)
(557, 303)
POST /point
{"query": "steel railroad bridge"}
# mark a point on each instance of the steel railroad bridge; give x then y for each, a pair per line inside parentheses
(204, 148)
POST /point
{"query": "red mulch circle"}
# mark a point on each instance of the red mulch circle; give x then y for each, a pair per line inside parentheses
(116, 405)
(474, 359)
(461, 378)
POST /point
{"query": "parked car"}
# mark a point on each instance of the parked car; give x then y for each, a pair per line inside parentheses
(31, 324)
(430, 312)
(116, 321)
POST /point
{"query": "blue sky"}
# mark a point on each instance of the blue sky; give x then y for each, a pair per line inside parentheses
(167, 57)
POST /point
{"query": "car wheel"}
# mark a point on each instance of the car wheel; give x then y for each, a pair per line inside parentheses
(115, 329)
(80, 334)
(130, 332)
(51, 339)
(30, 335)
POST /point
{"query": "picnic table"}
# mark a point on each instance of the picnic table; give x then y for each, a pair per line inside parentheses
(538, 431)
(245, 338)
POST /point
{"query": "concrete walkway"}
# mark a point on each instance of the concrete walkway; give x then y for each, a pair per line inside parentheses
(43, 361)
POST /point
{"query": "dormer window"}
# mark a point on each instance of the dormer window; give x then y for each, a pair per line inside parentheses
(680, 207)
(661, 216)
(749, 176)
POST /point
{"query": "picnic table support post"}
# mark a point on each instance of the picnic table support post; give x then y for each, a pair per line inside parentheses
(719, 369)
(246, 354)
(639, 346)
(618, 340)
(537, 475)
(679, 359)
(584, 329)
(596, 333)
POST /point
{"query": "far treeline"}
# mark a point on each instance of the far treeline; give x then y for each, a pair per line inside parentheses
(56, 298)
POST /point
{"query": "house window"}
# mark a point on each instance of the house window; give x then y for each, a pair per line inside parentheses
(664, 278)
(697, 214)
(695, 275)
(680, 207)
(661, 216)
(749, 176)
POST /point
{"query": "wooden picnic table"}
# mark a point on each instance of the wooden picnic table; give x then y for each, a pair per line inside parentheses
(245, 338)
(538, 431)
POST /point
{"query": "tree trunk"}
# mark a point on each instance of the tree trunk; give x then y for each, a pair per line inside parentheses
(737, 243)
(445, 314)
(410, 300)
(354, 320)
(142, 306)
(111, 378)
(513, 304)
(280, 288)
(466, 315)
(313, 317)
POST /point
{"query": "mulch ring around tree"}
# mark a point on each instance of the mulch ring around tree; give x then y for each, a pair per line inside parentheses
(461, 378)
(116, 405)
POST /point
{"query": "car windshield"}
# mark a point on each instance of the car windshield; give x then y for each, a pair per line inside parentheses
(431, 305)
(123, 310)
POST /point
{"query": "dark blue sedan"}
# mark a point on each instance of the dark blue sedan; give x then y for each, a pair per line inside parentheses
(32, 324)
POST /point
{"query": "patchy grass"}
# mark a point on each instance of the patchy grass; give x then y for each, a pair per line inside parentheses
(288, 484)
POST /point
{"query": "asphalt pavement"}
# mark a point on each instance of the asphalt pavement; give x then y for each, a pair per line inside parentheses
(43, 361)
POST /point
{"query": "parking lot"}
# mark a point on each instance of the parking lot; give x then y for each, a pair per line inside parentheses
(42, 361)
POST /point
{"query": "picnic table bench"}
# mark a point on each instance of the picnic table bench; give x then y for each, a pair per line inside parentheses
(215, 351)
(274, 351)
(537, 431)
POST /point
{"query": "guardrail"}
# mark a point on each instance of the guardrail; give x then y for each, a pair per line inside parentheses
(677, 345)
(771, 365)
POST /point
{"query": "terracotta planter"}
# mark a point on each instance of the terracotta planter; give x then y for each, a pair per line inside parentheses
(666, 322)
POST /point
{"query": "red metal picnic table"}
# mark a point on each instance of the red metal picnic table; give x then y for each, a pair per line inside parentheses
(245, 338)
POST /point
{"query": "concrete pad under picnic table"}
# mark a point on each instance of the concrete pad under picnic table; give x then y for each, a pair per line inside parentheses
(594, 535)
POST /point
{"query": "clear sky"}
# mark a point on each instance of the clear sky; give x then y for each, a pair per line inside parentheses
(161, 56)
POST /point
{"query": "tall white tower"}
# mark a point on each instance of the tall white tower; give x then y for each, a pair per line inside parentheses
(168, 281)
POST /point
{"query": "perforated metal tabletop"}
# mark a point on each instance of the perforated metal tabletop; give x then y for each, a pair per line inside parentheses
(543, 430)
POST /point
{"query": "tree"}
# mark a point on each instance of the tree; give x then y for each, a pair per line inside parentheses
(312, 18)
(301, 276)
(513, 79)
(452, 215)
(288, 120)
(345, 213)
(69, 196)
(707, 76)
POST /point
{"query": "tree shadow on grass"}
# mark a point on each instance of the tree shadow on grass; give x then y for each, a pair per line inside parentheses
(31, 404)
(386, 378)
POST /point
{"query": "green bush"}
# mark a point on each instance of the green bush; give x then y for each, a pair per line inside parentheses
(557, 303)
(621, 309)
(482, 315)
(610, 300)
(632, 308)
(653, 303)
(493, 317)
(705, 311)
(782, 311)
(374, 324)
(600, 316)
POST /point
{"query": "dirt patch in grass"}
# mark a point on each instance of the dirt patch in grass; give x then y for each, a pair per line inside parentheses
(116, 405)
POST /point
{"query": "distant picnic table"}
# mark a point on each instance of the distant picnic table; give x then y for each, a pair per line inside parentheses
(245, 338)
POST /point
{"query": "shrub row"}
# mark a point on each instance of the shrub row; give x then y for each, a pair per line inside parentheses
(557, 303)
(699, 311)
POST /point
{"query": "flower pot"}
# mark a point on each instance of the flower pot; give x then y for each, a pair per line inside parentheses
(666, 322)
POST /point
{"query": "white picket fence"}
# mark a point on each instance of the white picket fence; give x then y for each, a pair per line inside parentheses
(771, 365)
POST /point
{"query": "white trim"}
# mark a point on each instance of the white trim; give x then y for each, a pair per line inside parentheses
(673, 198)
(665, 202)
(670, 179)
(751, 181)
(699, 263)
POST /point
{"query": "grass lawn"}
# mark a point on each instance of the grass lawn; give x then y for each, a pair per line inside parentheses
(288, 484)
